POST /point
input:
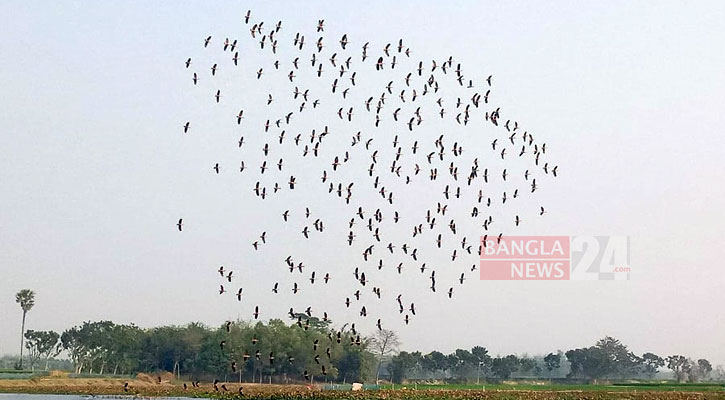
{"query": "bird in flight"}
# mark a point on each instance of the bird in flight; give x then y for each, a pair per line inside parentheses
(391, 185)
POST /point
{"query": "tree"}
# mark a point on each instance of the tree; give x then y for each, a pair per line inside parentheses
(699, 370)
(704, 366)
(718, 373)
(527, 364)
(400, 364)
(609, 357)
(26, 299)
(123, 347)
(355, 364)
(481, 355)
(590, 362)
(618, 359)
(52, 353)
(651, 363)
(679, 365)
(482, 360)
(384, 342)
(40, 343)
(552, 361)
(72, 342)
(465, 363)
(503, 367)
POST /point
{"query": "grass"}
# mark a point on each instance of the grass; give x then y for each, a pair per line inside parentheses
(15, 374)
(617, 387)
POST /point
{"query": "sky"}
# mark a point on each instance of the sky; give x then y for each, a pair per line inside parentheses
(95, 170)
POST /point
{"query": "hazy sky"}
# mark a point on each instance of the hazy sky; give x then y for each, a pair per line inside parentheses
(94, 170)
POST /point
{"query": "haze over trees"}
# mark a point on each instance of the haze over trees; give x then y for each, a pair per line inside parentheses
(608, 359)
(193, 351)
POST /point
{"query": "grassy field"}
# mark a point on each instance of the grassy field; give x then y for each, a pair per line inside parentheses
(664, 387)
(148, 386)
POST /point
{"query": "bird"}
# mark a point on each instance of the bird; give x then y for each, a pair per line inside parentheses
(399, 96)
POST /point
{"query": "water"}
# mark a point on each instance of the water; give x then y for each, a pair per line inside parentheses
(13, 396)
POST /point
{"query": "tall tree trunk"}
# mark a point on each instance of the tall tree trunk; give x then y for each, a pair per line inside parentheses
(22, 339)
(380, 361)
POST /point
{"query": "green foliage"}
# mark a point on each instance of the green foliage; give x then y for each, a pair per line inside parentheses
(679, 365)
(552, 361)
(651, 363)
(195, 350)
(503, 367)
(26, 299)
(609, 358)
(41, 343)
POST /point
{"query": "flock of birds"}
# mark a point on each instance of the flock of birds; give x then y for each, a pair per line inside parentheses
(404, 122)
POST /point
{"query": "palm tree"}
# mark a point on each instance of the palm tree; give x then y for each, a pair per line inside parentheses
(26, 299)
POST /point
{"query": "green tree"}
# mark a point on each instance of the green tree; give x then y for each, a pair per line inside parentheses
(483, 361)
(679, 365)
(400, 365)
(590, 362)
(552, 361)
(26, 299)
(124, 347)
(618, 359)
(503, 367)
(704, 365)
(464, 363)
(651, 363)
(40, 343)
(699, 369)
(609, 357)
(527, 364)
(435, 361)
(98, 336)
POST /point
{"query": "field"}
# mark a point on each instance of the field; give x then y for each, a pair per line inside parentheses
(146, 385)
(632, 387)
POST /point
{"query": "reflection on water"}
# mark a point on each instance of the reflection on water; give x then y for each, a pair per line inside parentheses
(13, 396)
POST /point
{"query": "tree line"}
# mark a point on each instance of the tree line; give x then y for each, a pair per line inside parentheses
(607, 359)
(196, 351)
(193, 351)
